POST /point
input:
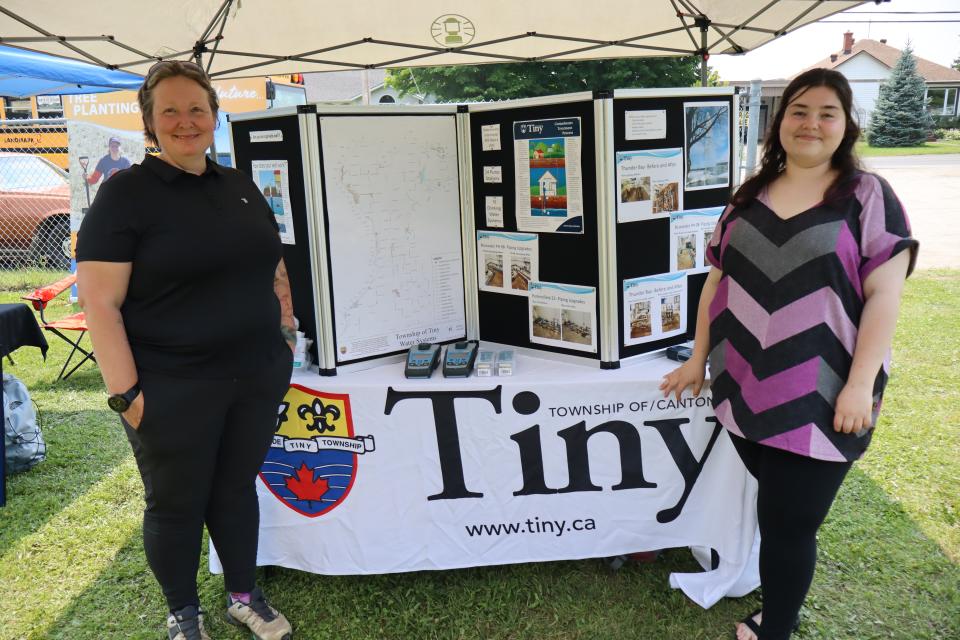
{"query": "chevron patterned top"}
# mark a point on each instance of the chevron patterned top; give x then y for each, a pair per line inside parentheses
(783, 323)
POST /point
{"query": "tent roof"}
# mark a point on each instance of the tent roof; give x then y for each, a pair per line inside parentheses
(25, 73)
(264, 37)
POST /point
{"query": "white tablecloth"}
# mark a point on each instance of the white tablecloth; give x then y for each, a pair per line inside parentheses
(373, 473)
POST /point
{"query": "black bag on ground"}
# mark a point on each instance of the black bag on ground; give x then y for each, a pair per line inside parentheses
(21, 432)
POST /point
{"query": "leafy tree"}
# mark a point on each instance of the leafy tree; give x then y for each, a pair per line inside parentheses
(900, 117)
(503, 81)
(956, 63)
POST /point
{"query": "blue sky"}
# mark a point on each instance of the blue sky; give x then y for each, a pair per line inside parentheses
(936, 41)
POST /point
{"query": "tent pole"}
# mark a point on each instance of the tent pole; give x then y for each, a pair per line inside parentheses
(213, 141)
(704, 23)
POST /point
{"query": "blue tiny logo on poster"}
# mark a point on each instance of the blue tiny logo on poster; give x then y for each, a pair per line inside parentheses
(312, 461)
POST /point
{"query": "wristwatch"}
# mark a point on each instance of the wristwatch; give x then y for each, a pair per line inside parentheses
(120, 402)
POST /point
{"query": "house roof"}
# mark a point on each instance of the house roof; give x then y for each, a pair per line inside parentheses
(887, 55)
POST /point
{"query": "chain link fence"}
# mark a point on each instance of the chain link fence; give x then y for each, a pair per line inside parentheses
(34, 196)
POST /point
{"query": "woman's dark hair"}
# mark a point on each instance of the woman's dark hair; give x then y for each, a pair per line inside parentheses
(162, 71)
(844, 160)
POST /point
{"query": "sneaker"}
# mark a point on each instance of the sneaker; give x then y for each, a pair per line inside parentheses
(264, 621)
(186, 624)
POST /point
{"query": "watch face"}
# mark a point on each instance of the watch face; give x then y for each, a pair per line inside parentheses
(118, 403)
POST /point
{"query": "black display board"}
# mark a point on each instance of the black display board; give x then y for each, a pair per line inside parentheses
(567, 258)
(643, 247)
(295, 256)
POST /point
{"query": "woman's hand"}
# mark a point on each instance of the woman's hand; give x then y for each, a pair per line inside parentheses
(134, 413)
(691, 372)
(854, 410)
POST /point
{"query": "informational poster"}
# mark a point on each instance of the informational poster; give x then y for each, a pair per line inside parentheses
(690, 233)
(394, 229)
(493, 175)
(549, 175)
(707, 141)
(507, 262)
(95, 155)
(649, 184)
(490, 137)
(653, 308)
(493, 207)
(272, 177)
(646, 125)
(563, 315)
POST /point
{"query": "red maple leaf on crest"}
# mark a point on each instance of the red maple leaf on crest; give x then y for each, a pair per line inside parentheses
(305, 487)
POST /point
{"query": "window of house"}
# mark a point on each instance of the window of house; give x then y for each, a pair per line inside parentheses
(386, 99)
(17, 108)
(942, 102)
(49, 107)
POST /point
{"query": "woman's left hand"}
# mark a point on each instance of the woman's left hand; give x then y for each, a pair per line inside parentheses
(854, 410)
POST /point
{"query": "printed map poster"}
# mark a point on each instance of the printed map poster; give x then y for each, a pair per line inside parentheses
(690, 233)
(563, 315)
(549, 175)
(507, 262)
(649, 184)
(393, 208)
(706, 128)
(272, 177)
(654, 308)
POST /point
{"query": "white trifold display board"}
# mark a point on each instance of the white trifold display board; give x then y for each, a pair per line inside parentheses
(371, 473)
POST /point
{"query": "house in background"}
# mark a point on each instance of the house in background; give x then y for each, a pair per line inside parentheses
(346, 87)
(867, 64)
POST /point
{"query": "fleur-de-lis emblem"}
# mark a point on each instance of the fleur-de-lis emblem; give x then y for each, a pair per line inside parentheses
(282, 414)
(319, 417)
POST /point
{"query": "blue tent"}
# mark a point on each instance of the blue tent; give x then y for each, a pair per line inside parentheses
(25, 73)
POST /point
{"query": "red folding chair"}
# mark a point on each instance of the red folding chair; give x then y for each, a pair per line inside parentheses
(74, 322)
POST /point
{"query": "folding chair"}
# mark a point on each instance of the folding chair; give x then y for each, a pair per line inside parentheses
(74, 322)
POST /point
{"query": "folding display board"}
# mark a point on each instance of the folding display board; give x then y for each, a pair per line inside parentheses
(570, 226)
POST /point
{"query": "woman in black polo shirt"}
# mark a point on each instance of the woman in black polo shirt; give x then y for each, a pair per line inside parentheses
(188, 305)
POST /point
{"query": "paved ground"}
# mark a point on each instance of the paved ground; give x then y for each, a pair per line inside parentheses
(929, 187)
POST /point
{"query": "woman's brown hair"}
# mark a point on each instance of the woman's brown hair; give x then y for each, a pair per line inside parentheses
(844, 160)
(162, 71)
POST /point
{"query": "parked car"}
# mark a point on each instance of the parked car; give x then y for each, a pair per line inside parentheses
(34, 211)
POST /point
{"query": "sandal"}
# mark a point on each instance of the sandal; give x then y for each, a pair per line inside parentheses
(753, 626)
(750, 623)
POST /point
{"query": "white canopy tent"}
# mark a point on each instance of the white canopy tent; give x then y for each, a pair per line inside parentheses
(234, 38)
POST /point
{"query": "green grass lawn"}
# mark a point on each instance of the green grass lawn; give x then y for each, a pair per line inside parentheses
(928, 148)
(72, 566)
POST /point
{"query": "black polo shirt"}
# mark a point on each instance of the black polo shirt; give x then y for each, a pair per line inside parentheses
(204, 251)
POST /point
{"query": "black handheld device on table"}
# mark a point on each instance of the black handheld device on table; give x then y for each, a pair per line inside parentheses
(422, 359)
(679, 353)
(460, 359)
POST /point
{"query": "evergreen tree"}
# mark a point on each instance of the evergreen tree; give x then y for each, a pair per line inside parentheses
(900, 117)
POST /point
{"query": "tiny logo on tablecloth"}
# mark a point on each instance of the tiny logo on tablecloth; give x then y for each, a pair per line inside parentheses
(312, 462)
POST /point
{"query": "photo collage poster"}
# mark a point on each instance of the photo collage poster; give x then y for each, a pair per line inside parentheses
(272, 177)
(648, 184)
(507, 262)
(690, 234)
(654, 308)
(548, 175)
(563, 315)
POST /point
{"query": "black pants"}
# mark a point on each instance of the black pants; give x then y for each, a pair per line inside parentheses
(794, 496)
(199, 448)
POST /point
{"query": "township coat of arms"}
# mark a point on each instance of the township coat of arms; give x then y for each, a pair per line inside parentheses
(312, 462)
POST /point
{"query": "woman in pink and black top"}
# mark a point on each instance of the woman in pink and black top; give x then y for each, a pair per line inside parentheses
(796, 319)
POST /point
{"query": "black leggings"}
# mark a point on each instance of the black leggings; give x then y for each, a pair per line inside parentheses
(794, 496)
(199, 448)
